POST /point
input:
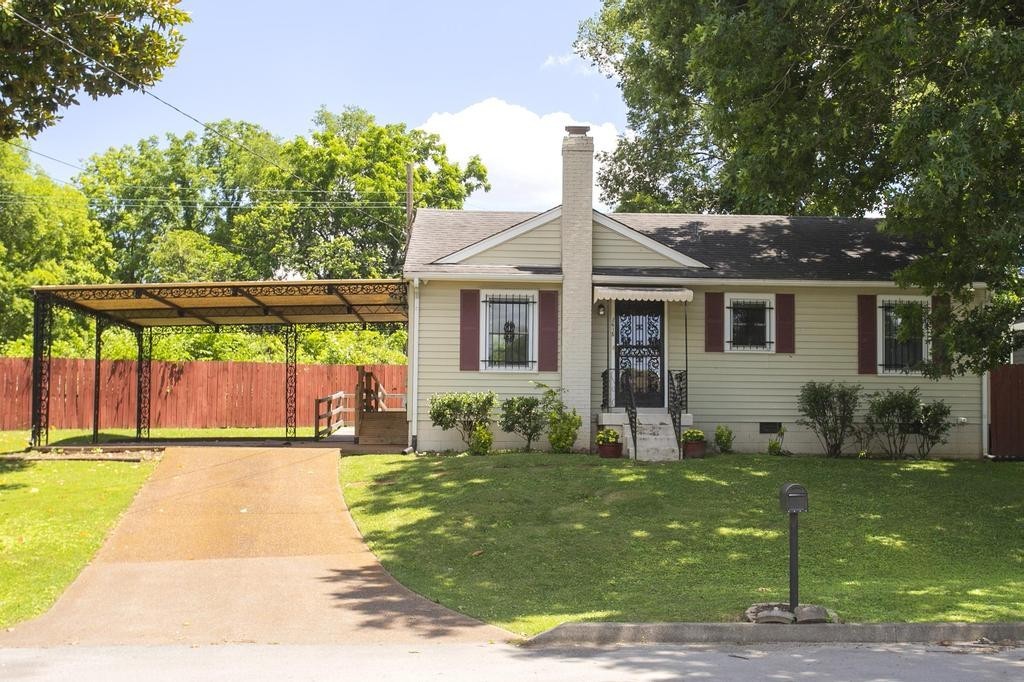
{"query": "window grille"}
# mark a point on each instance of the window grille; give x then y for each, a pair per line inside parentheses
(750, 324)
(908, 354)
(508, 331)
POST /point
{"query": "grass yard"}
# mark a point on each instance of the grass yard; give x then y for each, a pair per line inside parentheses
(529, 541)
(53, 518)
(17, 441)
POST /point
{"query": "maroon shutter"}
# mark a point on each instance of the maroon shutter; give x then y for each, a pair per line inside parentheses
(867, 335)
(469, 330)
(785, 323)
(547, 360)
(714, 322)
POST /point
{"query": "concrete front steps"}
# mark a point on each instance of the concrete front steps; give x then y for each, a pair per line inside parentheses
(655, 437)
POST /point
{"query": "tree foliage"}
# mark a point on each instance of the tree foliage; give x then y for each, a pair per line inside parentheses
(48, 237)
(39, 76)
(837, 108)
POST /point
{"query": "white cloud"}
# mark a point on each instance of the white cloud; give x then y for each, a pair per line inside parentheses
(569, 60)
(522, 151)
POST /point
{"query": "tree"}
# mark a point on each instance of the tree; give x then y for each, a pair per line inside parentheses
(837, 108)
(187, 256)
(189, 182)
(39, 75)
(346, 185)
(48, 238)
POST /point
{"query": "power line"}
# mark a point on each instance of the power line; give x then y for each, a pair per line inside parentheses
(145, 91)
(168, 189)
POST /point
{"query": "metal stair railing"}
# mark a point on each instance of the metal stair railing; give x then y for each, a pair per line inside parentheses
(678, 398)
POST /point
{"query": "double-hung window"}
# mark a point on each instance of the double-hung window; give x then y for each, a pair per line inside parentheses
(902, 342)
(749, 322)
(508, 330)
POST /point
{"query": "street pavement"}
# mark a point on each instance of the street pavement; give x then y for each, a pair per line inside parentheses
(485, 662)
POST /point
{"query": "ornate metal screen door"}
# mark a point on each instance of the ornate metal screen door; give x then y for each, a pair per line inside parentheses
(640, 350)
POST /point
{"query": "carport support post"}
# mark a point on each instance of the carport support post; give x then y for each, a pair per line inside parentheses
(101, 326)
(42, 318)
(291, 342)
(143, 375)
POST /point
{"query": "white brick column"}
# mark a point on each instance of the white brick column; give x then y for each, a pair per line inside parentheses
(577, 271)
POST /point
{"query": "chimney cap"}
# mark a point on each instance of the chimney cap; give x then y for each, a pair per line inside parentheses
(577, 130)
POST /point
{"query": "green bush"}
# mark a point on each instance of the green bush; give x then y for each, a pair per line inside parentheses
(481, 441)
(563, 425)
(775, 443)
(828, 409)
(522, 415)
(723, 438)
(932, 427)
(462, 412)
(894, 415)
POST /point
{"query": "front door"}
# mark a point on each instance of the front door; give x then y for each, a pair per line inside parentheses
(640, 351)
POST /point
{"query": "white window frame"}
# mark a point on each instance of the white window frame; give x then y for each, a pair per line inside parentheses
(534, 295)
(727, 322)
(926, 342)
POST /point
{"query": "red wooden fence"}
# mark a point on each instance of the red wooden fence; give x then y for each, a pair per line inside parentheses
(1007, 416)
(185, 394)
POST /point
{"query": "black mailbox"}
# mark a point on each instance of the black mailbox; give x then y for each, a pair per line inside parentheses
(793, 498)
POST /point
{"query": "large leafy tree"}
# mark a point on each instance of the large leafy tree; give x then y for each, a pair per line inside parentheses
(48, 237)
(346, 186)
(40, 75)
(837, 107)
(142, 192)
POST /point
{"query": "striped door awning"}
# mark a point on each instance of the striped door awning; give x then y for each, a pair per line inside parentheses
(680, 294)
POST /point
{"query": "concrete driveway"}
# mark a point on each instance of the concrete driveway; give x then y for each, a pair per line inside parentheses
(241, 545)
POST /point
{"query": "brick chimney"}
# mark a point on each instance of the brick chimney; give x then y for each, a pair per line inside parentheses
(577, 270)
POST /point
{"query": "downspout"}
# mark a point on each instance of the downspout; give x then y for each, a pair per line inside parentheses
(414, 365)
(686, 352)
(985, 383)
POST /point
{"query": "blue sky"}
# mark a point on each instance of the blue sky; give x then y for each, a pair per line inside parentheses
(494, 78)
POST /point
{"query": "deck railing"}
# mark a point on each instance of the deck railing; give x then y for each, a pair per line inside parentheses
(329, 410)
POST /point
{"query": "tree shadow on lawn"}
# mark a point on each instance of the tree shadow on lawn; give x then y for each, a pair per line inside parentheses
(527, 541)
(10, 466)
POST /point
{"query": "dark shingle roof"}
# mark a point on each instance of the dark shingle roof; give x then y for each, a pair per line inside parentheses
(732, 246)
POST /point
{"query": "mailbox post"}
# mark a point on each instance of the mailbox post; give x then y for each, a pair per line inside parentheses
(793, 501)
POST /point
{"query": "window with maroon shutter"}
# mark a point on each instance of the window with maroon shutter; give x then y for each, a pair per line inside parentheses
(509, 324)
(469, 330)
(785, 320)
(547, 360)
(749, 323)
(714, 322)
(867, 335)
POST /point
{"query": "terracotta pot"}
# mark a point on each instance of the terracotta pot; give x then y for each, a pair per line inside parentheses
(694, 449)
(610, 450)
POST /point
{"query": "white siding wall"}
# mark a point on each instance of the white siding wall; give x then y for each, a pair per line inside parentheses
(612, 249)
(439, 363)
(743, 389)
(540, 246)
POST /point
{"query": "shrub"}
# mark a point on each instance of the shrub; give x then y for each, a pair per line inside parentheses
(828, 409)
(522, 415)
(723, 438)
(563, 425)
(775, 443)
(481, 441)
(462, 412)
(894, 415)
(606, 436)
(692, 436)
(932, 426)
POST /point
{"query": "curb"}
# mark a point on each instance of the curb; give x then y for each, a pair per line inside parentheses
(749, 633)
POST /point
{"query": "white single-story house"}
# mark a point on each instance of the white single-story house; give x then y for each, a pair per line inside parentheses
(708, 319)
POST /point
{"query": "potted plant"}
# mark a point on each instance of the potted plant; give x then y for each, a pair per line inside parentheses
(608, 444)
(694, 444)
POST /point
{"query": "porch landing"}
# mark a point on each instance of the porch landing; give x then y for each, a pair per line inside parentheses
(655, 436)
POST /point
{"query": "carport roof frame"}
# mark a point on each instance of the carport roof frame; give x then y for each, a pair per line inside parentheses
(339, 301)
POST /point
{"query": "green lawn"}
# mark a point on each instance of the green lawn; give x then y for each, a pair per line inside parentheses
(53, 518)
(17, 441)
(529, 541)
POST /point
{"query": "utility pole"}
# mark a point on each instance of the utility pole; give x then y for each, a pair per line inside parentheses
(408, 198)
